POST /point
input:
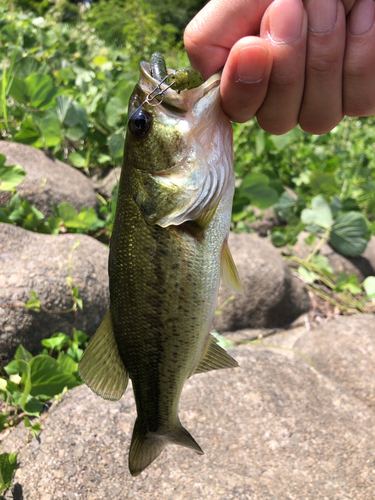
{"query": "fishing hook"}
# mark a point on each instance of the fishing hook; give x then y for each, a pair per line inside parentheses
(149, 98)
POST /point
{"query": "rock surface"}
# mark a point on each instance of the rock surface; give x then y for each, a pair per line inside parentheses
(105, 186)
(273, 296)
(40, 262)
(275, 428)
(48, 180)
(361, 266)
(344, 351)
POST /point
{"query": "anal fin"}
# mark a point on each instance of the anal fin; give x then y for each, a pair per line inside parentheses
(229, 273)
(215, 358)
(101, 366)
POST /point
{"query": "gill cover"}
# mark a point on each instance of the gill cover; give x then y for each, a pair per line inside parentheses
(191, 138)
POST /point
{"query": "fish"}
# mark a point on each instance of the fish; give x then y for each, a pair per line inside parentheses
(168, 250)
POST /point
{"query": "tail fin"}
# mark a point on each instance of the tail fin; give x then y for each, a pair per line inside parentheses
(147, 446)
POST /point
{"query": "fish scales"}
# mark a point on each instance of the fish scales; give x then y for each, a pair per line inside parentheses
(177, 289)
(167, 252)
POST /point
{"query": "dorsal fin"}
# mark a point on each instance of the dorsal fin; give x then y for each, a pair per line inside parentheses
(101, 366)
(229, 273)
(214, 358)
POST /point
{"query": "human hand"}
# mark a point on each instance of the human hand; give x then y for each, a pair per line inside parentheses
(287, 62)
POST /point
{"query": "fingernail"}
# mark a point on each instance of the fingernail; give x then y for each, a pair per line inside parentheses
(362, 17)
(286, 20)
(322, 15)
(252, 63)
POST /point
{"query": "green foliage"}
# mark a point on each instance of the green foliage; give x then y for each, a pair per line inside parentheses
(10, 175)
(23, 214)
(34, 380)
(8, 464)
(140, 35)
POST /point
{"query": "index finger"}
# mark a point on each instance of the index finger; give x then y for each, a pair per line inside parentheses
(212, 33)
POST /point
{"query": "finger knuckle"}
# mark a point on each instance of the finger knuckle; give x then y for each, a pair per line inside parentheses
(324, 65)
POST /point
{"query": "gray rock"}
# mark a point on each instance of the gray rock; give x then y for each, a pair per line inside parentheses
(362, 266)
(273, 296)
(48, 180)
(40, 262)
(267, 219)
(106, 185)
(272, 429)
(344, 351)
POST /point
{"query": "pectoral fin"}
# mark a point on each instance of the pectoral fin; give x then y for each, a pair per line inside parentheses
(229, 273)
(101, 366)
(197, 227)
(215, 358)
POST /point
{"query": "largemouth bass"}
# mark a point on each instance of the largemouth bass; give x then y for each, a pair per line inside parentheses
(167, 252)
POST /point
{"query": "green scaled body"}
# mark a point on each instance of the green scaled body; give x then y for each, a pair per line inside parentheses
(168, 250)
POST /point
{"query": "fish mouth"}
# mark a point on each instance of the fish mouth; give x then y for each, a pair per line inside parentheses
(182, 100)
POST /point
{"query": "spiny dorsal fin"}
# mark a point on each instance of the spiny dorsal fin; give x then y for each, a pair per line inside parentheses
(215, 358)
(229, 273)
(101, 366)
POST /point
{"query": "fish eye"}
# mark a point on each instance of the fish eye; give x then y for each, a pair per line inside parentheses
(140, 123)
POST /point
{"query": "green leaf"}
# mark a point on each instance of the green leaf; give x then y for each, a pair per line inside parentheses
(113, 110)
(42, 91)
(29, 133)
(79, 160)
(84, 220)
(63, 103)
(12, 367)
(256, 187)
(323, 182)
(57, 341)
(67, 364)
(322, 262)
(348, 235)
(260, 142)
(3, 384)
(282, 141)
(116, 146)
(345, 282)
(27, 66)
(8, 464)
(278, 238)
(76, 133)
(308, 276)
(34, 302)
(75, 352)
(319, 214)
(285, 207)
(32, 406)
(33, 428)
(369, 286)
(23, 354)
(50, 128)
(75, 115)
(223, 341)
(104, 159)
(3, 419)
(54, 224)
(79, 336)
(48, 379)
(309, 240)
(10, 175)
(37, 91)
